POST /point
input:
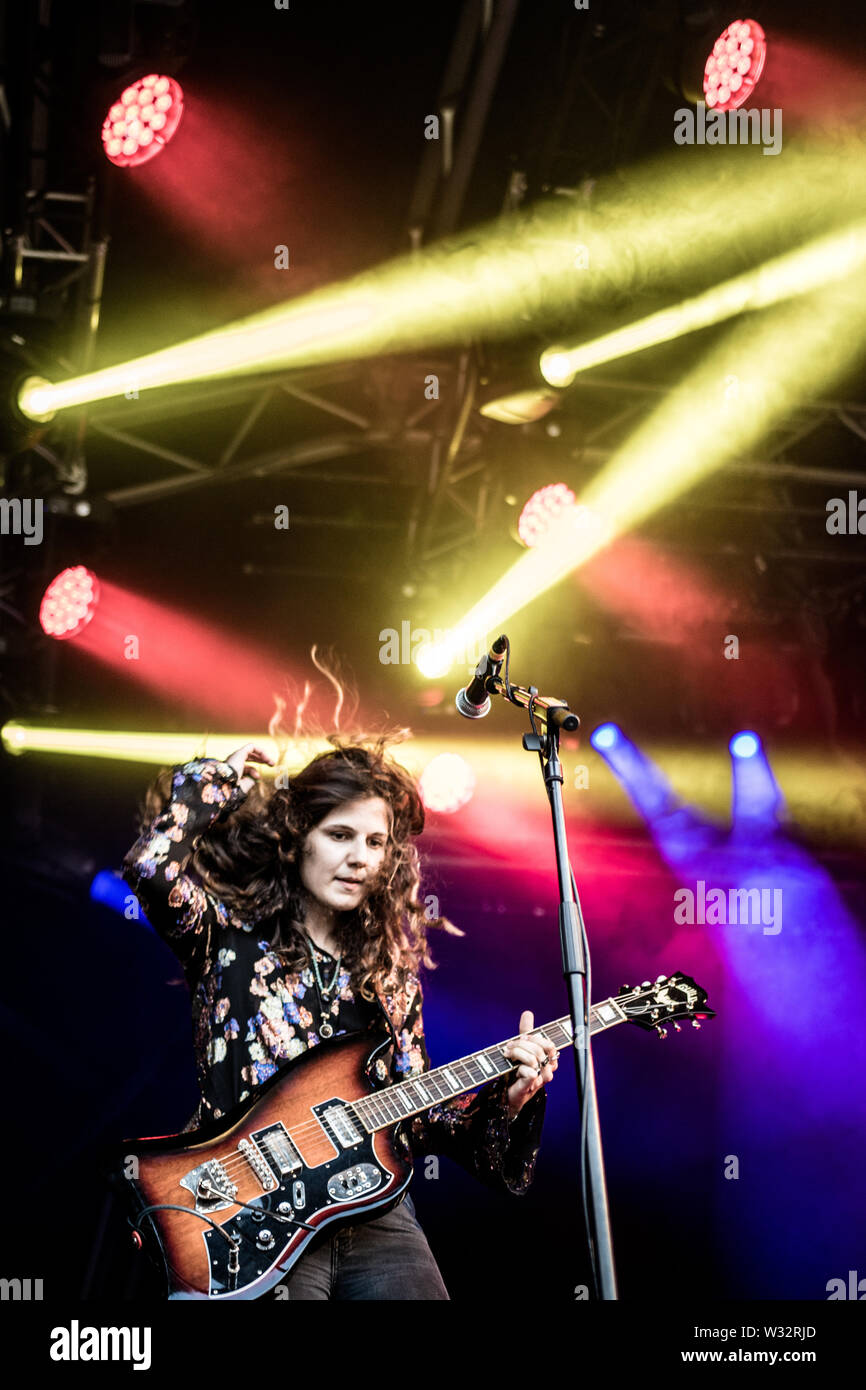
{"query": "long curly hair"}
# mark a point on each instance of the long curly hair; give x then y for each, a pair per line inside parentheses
(249, 859)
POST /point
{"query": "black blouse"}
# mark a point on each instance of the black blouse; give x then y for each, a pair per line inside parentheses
(251, 1014)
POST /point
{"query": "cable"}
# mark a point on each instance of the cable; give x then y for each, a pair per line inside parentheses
(173, 1206)
(275, 1215)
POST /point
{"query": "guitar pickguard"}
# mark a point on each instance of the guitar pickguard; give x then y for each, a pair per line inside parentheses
(299, 1193)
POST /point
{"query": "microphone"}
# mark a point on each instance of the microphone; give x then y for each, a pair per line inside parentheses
(472, 701)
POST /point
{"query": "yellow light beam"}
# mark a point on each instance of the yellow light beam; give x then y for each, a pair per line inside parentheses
(699, 777)
(752, 381)
(127, 745)
(659, 230)
(821, 262)
(172, 749)
(748, 383)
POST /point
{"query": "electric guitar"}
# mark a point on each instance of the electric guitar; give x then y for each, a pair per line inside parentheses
(232, 1206)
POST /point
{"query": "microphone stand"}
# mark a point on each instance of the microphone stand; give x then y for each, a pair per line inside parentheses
(555, 716)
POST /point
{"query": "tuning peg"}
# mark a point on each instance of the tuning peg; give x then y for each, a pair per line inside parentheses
(645, 984)
(695, 1023)
(659, 978)
(662, 1032)
(677, 1028)
(624, 989)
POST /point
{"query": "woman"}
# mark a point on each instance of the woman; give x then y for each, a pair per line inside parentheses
(294, 909)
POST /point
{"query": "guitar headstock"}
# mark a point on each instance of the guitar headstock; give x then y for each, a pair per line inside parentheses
(668, 999)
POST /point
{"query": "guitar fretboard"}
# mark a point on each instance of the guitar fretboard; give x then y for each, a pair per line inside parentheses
(393, 1103)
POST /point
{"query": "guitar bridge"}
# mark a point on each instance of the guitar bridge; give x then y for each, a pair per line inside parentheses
(207, 1183)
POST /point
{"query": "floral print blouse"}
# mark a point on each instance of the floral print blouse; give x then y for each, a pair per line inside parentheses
(251, 1014)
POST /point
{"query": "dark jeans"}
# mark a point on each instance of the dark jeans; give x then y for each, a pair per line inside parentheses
(387, 1258)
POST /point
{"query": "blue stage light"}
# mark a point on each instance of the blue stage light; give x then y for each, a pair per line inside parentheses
(744, 745)
(107, 887)
(605, 736)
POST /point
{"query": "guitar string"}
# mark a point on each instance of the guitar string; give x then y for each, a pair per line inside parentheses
(238, 1161)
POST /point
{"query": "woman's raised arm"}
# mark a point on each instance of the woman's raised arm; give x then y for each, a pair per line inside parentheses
(178, 906)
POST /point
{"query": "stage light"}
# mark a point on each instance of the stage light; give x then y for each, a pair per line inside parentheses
(69, 602)
(107, 887)
(446, 784)
(432, 661)
(605, 736)
(744, 745)
(734, 67)
(556, 368)
(757, 800)
(143, 121)
(543, 508)
(32, 390)
(520, 408)
(554, 517)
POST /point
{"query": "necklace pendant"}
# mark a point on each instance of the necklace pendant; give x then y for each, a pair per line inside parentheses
(326, 1030)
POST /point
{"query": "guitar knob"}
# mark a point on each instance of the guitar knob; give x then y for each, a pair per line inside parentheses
(695, 1023)
(662, 1032)
(265, 1239)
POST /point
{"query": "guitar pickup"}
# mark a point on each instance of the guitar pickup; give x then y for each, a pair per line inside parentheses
(278, 1148)
(342, 1126)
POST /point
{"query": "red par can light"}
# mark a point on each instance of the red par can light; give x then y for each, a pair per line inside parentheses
(542, 510)
(734, 67)
(143, 120)
(69, 602)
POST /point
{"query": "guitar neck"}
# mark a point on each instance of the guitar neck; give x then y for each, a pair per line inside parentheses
(407, 1098)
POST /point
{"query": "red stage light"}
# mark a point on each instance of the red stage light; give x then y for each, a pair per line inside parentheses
(139, 125)
(735, 65)
(69, 602)
(543, 508)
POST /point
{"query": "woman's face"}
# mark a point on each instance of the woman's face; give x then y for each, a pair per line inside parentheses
(344, 853)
